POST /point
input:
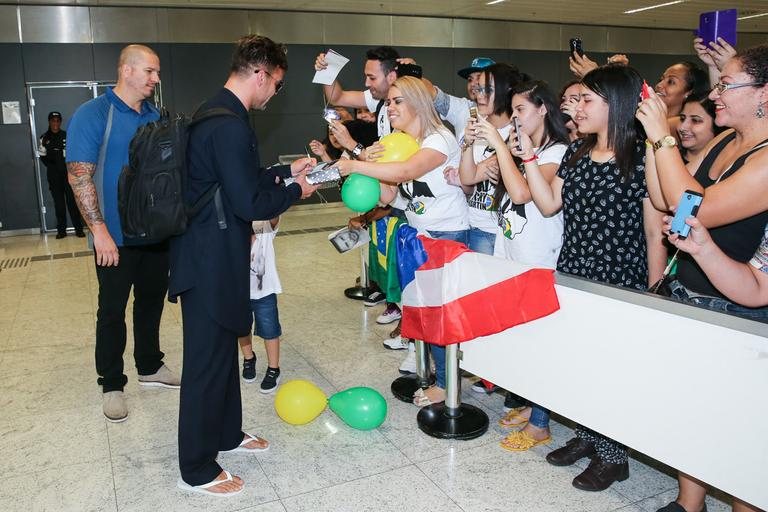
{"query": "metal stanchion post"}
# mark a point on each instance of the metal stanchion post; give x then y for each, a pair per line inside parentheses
(452, 419)
(404, 387)
(363, 291)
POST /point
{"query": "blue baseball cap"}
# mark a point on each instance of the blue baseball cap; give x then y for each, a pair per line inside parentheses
(477, 64)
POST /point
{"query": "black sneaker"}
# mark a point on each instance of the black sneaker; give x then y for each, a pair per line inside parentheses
(271, 380)
(512, 401)
(80, 234)
(60, 235)
(374, 298)
(249, 369)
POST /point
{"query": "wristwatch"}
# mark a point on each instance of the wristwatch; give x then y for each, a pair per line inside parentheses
(357, 151)
(668, 141)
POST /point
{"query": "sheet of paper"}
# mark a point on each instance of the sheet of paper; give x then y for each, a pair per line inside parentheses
(11, 112)
(335, 61)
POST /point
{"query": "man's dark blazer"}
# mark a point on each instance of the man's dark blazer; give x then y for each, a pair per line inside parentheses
(224, 150)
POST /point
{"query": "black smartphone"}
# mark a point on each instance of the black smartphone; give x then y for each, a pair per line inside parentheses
(519, 145)
(576, 46)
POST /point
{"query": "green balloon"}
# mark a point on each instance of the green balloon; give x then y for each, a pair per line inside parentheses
(360, 193)
(361, 408)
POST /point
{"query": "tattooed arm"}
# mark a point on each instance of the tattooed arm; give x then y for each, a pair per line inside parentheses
(80, 175)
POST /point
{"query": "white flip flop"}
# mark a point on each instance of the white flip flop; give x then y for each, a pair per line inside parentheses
(241, 448)
(203, 488)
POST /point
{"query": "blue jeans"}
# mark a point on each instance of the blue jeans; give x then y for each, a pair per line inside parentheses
(438, 353)
(539, 416)
(683, 294)
(481, 241)
(265, 317)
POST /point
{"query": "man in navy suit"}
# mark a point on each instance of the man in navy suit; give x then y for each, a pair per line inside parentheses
(210, 263)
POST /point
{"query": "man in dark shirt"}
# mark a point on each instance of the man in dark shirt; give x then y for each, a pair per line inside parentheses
(210, 269)
(53, 145)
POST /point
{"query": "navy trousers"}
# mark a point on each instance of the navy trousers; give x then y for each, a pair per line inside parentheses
(210, 411)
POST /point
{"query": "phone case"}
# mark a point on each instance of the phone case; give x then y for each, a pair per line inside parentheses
(718, 24)
(688, 207)
(644, 93)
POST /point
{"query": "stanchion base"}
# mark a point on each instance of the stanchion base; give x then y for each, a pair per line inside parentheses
(471, 422)
(404, 387)
(358, 293)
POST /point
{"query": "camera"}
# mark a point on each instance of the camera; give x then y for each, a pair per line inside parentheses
(413, 70)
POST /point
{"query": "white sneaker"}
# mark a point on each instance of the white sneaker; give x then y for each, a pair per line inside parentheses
(391, 314)
(396, 343)
(409, 364)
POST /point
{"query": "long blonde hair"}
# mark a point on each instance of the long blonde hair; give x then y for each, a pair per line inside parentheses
(415, 92)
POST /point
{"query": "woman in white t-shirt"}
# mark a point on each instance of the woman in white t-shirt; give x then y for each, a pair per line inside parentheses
(524, 234)
(435, 208)
(493, 93)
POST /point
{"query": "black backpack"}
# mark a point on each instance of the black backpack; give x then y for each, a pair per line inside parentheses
(150, 194)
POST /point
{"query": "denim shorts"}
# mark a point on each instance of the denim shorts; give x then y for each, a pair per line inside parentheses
(266, 323)
(457, 236)
(683, 294)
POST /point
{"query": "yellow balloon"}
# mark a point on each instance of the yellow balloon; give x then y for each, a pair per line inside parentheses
(399, 147)
(299, 401)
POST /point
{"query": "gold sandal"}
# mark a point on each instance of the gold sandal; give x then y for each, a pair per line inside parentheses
(514, 414)
(521, 441)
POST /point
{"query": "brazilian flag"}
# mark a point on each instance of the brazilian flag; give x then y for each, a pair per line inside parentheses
(382, 256)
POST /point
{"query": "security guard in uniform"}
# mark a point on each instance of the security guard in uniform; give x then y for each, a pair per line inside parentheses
(52, 152)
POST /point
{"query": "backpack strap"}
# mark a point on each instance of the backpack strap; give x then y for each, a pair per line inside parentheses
(214, 191)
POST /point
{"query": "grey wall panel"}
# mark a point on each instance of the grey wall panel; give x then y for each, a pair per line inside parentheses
(281, 135)
(206, 26)
(300, 95)
(415, 31)
(57, 62)
(123, 24)
(536, 36)
(480, 34)
(55, 24)
(357, 29)
(105, 57)
(746, 40)
(18, 192)
(627, 40)
(289, 28)
(671, 42)
(163, 32)
(595, 39)
(9, 24)
(198, 71)
(552, 67)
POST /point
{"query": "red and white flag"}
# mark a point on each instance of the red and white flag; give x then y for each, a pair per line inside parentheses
(451, 294)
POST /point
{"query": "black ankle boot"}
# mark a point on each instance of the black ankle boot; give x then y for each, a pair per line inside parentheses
(574, 450)
(600, 475)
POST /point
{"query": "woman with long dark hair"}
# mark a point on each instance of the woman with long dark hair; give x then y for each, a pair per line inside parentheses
(697, 126)
(612, 232)
(524, 234)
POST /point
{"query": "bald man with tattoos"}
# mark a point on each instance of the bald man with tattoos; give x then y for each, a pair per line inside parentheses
(99, 136)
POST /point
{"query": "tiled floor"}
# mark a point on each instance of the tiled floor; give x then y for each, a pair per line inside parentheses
(59, 454)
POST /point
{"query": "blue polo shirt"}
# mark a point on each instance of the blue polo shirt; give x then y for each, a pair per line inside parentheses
(85, 134)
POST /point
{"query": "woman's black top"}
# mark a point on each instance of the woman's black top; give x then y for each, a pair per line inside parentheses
(738, 240)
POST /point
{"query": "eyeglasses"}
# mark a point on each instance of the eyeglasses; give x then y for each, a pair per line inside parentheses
(720, 87)
(483, 91)
(278, 83)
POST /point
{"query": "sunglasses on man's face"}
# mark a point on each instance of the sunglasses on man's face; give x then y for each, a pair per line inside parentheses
(278, 83)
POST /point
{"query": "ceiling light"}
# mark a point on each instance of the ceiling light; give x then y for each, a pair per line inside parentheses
(753, 16)
(633, 11)
(494, 2)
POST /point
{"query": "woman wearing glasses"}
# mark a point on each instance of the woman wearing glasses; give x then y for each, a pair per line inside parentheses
(731, 174)
(493, 95)
(435, 208)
